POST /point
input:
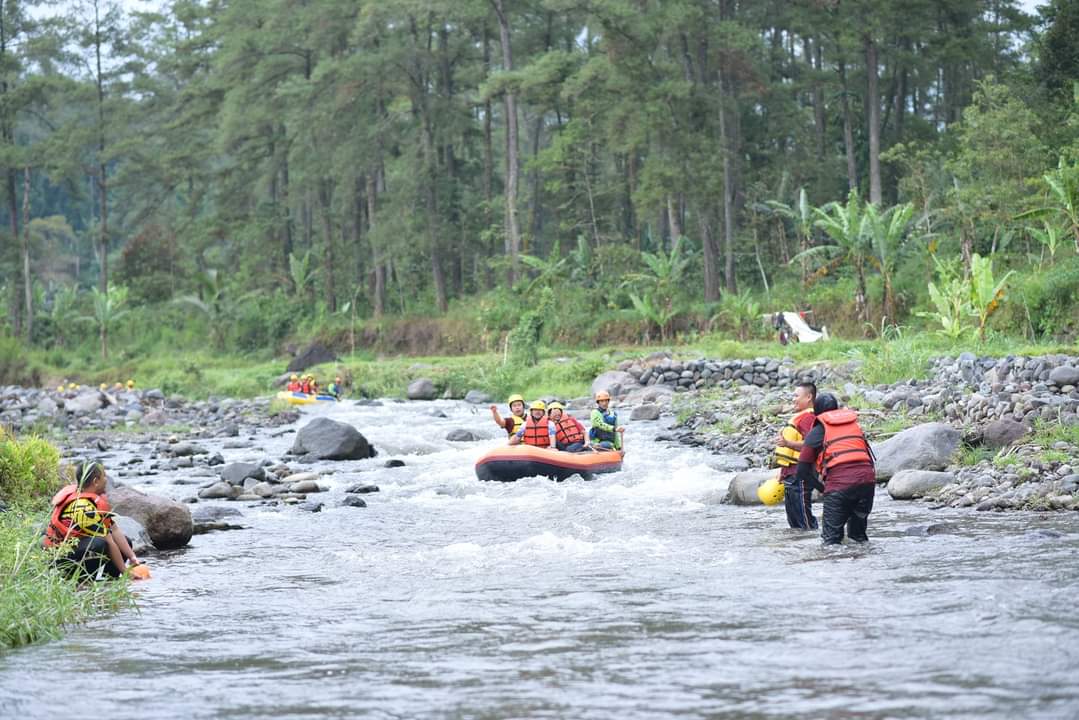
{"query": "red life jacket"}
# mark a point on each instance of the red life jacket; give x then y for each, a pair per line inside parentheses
(568, 431)
(844, 441)
(306, 387)
(61, 528)
(536, 434)
(294, 386)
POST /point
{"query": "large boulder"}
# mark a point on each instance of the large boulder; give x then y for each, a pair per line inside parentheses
(136, 534)
(235, 473)
(910, 484)
(84, 403)
(314, 354)
(477, 397)
(645, 412)
(422, 389)
(167, 522)
(930, 446)
(1002, 433)
(1064, 375)
(462, 435)
(326, 439)
(616, 382)
(743, 487)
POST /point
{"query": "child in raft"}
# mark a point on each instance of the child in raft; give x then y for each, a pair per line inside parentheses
(81, 513)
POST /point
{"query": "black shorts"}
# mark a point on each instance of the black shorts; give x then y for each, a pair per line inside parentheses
(89, 559)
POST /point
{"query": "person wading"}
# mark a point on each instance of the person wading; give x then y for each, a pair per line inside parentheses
(839, 451)
(797, 496)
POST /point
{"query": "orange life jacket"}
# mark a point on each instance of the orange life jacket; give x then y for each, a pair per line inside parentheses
(568, 431)
(844, 441)
(61, 528)
(294, 386)
(537, 434)
(306, 387)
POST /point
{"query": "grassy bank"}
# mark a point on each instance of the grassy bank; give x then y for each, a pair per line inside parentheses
(36, 602)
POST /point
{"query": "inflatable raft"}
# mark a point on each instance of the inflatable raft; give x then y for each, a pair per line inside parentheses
(513, 462)
(299, 398)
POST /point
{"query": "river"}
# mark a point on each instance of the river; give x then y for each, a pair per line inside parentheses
(637, 595)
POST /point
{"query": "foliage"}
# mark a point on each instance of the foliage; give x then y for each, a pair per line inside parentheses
(986, 292)
(657, 299)
(1063, 196)
(522, 344)
(108, 310)
(29, 470)
(951, 301)
(741, 312)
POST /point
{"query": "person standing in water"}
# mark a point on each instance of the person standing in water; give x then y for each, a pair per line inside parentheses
(839, 451)
(797, 495)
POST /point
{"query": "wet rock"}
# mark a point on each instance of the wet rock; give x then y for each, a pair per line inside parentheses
(910, 484)
(394, 463)
(327, 439)
(47, 406)
(304, 487)
(616, 382)
(135, 533)
(311, 506)
(290, 478)
(1064, 375)
(229, 430)
(84, 403)
(353, 501)
(313, 354)
(201, 528)
(216, 459)
(236, 444)
(645, 412)
(208, 513)
(462, 435)
(1002, 433)
(361, 489)
(930, 446)
(743, 487)
(248, 497)
(155, 417)
(168, 522)
(422, 389)
(235, 473)
(219, 491)
(477, 397)
(187, 449)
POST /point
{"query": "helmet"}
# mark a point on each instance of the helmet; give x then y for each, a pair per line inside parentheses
(556, 406)
(294, 376)
(103, 387)
(603, 395)
(515, 398)
(537, 405)
(60, 388)
(770, 491)
(130, 384)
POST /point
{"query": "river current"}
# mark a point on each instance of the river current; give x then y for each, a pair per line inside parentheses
(636, 595)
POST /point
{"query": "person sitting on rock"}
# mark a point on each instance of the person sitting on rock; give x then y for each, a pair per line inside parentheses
(294, 384)
(81, 513)
(570, 434)
(538, 430)
(797, 496)
(838, 450)
(605, 433)
(335, 388)
(516, 417)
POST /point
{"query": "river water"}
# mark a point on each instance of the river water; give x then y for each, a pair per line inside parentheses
(637, 595)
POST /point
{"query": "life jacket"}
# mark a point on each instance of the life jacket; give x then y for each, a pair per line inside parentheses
(70, 511)
(305, 387)
(518, 421)
(294, 386)
(601, 435)
(785, 456)
(844, 441)
(334, 389)
(537, 434)
(568, 431)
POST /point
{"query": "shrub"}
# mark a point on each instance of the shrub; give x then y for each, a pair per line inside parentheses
(29, 470)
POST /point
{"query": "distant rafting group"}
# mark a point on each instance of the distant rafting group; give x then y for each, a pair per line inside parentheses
(305, 390)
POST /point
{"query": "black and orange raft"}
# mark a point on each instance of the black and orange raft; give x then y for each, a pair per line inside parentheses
(513, 462)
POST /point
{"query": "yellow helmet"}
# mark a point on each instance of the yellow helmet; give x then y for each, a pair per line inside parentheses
(71, 386)
(60, 388)
(515, 398)
(603, 395)
(294, 376)
(130, 384)
(556, 406)
(103, 387)
(538, 405)
(770, 491)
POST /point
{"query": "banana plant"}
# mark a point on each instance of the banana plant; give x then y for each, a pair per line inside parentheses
(1050, 238)
(886, 234)
(108, 310)
(986, 293)
(802, 217)
(843, 225)
(951, 300)
(1063, 199)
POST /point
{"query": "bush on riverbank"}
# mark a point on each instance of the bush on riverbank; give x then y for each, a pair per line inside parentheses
(36, 601)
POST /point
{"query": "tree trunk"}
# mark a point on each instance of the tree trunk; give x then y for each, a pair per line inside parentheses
(325, 196)
(674, 219)
(27, 281)
(711, 259)
(378, 302)
(15, 308)
(513, 233)
(873, 118)
(848, 129)
(728, 188)
(102, 173)
(816, 61)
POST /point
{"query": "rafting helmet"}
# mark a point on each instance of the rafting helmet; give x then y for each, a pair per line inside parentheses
(770, 491)
(294, 376)
(130, 384)
(555, 406)
(538, 405)
(602, 395)
(515, 398)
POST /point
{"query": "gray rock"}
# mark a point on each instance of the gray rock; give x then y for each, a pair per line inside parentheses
(155, 417)
(215, 459)
(361, 489)
(743, 487)
(135, 533)
(327, 439)
(930, 446)
(304, 487)
(394, 463)
(236, 473)
(314, 354)
(477, 397)
(311, 506)
(910, 484)
(462, 435)
(616, 382)
(219, 491)
(48, 406)
(422, 389)
(210, 513)
(186, 450)
(292, 478)
(353, 501)
(1002, 433)
(645, 412)
(84, 403)
(1065, 375)
(167, 522)
(263, 489)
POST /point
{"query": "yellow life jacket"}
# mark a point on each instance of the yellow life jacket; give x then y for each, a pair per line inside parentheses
(518, 421)
(785, 456)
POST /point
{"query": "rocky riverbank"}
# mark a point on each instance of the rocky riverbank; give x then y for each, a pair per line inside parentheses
(1014, 421)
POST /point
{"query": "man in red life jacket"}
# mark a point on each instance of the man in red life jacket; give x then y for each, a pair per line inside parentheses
(294, 384)
(537, 430)
(570, 435)
(80, 512)
(840, 452)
